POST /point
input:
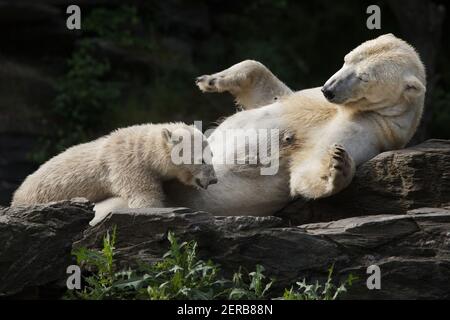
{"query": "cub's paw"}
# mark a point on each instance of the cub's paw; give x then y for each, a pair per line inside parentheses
(340, 171)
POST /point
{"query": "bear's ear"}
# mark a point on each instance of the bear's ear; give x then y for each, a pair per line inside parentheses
(167, 135)
(391, 35)
(413, 87)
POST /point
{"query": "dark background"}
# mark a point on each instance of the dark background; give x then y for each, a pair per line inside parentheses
(136, 61)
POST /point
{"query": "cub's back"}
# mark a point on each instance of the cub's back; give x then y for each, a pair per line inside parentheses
(72, 173)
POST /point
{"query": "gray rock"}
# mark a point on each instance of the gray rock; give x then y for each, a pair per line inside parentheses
(412, 250)
(391, 183)
(396, 214)
(37, 243)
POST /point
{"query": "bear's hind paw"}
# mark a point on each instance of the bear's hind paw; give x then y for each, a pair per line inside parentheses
(340, 169)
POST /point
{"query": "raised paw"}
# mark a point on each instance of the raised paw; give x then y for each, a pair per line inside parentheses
(208, 83)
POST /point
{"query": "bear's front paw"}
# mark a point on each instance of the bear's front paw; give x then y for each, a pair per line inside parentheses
(340, 169)
(208, 83)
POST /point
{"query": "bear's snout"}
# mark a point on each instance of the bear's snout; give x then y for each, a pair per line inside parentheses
(328, 93)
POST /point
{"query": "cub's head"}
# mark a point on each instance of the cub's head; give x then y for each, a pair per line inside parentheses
(190, 156)
(378, 73)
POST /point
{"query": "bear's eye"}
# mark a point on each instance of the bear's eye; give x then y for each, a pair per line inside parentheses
(364, 77)
(288, 138)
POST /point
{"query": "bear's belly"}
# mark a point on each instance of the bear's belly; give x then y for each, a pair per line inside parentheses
(235, 194)
(241, 188)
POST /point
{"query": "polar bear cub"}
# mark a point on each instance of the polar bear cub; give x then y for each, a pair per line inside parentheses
(130, 163)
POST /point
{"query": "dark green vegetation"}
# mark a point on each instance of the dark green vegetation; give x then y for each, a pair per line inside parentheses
(137, 63)
(181, 275)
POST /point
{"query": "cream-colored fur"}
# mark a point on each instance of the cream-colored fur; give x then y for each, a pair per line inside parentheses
(377, 104)
(103, 208)
(130, 163)
(250, 82)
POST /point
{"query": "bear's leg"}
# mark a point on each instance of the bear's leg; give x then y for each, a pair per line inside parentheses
(148, 194)
(250, 82)
(139, 187)
(103, 208)
(314, 179)
(149, 200)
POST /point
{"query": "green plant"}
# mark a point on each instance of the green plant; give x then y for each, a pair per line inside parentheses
(100, 282)
(181, 275)
(316, 291)
(256, 289)
(115, 25)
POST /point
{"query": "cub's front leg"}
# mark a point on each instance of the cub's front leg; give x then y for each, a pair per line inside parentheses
(323, 175)
(146, 200)
(138, 187)
(147, 193)
(250, 82)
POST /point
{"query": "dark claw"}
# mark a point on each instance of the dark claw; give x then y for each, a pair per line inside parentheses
(337, 167)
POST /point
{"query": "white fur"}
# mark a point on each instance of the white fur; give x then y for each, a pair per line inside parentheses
(378, 114)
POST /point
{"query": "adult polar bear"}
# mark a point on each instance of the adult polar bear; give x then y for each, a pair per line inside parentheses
(372, 104)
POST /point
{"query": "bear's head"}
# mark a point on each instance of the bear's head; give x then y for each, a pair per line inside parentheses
(190, 156)
(379, 73)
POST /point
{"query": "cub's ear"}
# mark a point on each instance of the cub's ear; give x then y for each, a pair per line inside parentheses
(413, 87)
(167, 135)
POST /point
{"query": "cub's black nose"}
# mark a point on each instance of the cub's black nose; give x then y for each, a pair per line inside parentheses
(213, 181)
(329, 94)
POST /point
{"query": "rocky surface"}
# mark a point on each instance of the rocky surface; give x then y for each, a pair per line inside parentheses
(412, 250)
(396, 214)
(36, 243)
(391, 183)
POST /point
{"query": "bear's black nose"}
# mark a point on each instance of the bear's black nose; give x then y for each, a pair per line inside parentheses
(329, 94)
(213, 181)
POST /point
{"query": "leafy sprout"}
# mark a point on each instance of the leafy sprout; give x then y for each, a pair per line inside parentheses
(180, 274)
